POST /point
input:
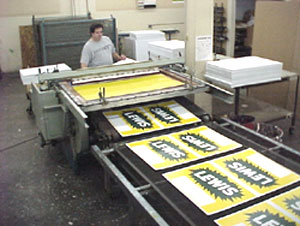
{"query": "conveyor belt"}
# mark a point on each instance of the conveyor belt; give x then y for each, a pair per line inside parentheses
(103, 127)
(175, 199)
(171, 204)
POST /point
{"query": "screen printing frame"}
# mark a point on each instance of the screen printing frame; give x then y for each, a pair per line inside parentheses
(52, 81)
(188, 86)
(187, 213)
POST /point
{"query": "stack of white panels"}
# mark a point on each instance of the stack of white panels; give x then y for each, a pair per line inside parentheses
(166, 49)
(30, 75)
(136, 45)
(237, 72)
(146, 35)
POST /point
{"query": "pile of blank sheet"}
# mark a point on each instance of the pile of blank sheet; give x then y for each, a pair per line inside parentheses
(243, 71)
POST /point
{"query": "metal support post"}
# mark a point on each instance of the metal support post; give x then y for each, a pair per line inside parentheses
(293, 121)
(236, 101)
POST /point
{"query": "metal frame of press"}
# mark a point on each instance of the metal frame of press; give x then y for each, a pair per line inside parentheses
(55, 108)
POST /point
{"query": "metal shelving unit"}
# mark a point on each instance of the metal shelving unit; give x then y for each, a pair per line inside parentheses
(219, 30)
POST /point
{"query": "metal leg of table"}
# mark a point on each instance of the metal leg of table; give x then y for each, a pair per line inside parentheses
(236, 101)
(293, 121)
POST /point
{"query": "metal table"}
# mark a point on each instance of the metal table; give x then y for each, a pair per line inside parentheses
(286, 76)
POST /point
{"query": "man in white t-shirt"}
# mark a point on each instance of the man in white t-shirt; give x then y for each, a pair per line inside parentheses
(99, 49)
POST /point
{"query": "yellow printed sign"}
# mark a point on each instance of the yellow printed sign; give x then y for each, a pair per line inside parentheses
(205, 141)
(258, 215)
(228, 181)
(181, 147)
(162, 152)
(208, 187)
(170, 114)
(133, 121)
(259, 173)
(290, 202)
(126, 86)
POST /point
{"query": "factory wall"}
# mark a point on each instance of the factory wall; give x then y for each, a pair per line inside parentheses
(16, 13)
(277, 37)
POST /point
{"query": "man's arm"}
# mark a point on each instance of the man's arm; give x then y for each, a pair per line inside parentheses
(85, 56)
(117, 57)
(83, 65)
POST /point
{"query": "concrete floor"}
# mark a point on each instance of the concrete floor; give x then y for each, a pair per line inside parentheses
(37, 187)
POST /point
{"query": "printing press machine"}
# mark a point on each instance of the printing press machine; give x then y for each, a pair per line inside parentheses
(67, 113)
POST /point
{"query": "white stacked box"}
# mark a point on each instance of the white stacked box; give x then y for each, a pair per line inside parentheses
(136, 45)
(146, 35)
(30, 75)
(243, 71)
(166, 49)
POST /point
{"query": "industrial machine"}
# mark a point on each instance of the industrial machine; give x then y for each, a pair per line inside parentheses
(63, 112)
(137, 121)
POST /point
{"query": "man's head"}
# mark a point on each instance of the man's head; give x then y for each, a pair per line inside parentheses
(96, 31)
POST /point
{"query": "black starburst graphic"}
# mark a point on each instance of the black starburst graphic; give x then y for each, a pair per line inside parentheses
(137, 120)
(216, 184)
(293, 204)
(164, 114)
(250, 173)
(199, 142)
(168, 150)
(258, 218)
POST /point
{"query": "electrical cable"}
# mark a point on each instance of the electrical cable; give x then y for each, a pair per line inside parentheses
(17, 144)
